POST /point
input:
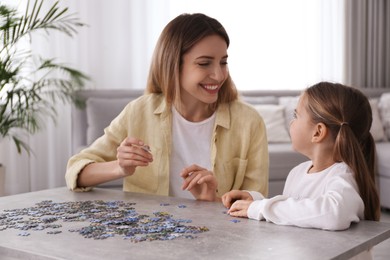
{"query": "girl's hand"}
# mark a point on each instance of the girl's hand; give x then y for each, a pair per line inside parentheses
(230, 197)
(240, 208)
(132, 153)
(200, 182)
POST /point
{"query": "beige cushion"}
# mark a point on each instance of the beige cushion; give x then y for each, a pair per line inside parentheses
(377, 129)
(384, 109)
(256, 100)
(273, 116)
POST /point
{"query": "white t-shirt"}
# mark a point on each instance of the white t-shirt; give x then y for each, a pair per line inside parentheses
(191, 144)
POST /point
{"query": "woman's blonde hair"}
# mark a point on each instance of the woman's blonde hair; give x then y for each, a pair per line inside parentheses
(177, 38)
(346, 111)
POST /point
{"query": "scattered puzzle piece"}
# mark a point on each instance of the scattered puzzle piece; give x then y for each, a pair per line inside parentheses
(106, 219)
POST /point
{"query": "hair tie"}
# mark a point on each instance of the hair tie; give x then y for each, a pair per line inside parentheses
(344, 123)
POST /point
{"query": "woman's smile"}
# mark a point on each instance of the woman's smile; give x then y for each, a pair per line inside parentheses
(210, 88)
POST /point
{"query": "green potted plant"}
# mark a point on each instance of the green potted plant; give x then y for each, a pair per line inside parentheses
(30, 85)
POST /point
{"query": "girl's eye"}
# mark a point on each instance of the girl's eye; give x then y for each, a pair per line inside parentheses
(294, 115)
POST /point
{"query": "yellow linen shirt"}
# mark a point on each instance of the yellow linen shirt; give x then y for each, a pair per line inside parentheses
(239, 148)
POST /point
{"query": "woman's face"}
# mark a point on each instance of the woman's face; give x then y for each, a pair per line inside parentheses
(204, 70)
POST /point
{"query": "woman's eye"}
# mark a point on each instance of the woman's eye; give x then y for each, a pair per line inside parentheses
(204, 62)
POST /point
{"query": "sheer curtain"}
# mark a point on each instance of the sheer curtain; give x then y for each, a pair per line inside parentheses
(278, 44)
(368, 43)
(274, 44)
(114, 49)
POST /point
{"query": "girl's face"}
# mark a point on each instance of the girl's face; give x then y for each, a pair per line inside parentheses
(301, 128)
(204, 70)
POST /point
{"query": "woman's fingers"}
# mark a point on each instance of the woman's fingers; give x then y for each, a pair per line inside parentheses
(198, 178)
(191, 176)
(186, 172)
(191, 179)
(200, 182)
(134, 149)
(132, 153)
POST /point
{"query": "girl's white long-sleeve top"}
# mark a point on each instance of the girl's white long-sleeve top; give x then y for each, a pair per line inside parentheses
(327, 200)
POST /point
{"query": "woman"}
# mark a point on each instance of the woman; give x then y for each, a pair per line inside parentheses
(202, 139)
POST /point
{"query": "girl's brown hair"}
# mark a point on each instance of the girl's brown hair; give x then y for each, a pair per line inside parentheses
(177, 38)
(346, 111)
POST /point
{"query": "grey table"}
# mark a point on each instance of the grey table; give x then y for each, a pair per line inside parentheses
(247, 239)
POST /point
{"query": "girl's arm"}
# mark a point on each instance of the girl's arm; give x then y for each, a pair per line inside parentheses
(334, 210)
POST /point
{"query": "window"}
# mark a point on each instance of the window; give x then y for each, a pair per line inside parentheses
(277, 44)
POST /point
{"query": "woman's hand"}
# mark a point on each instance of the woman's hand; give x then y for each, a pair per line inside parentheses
(240, 208)
(132, 153)
(230, 197)
(200, 182)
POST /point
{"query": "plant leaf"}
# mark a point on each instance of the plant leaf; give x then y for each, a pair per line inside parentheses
(30, 86)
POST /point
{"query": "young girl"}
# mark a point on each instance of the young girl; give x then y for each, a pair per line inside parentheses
(201, 141)
(331, 126)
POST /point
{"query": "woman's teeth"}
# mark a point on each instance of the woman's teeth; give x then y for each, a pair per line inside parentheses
(210, 87)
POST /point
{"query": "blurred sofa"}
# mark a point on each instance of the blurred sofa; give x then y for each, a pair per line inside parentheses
(276, 108)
